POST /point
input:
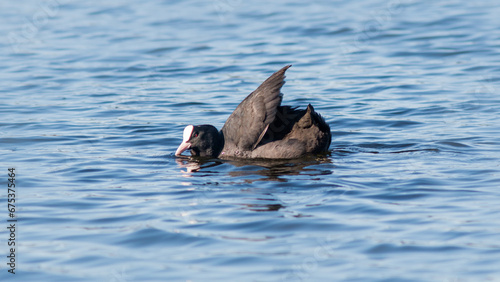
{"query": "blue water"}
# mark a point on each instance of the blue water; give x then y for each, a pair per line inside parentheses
(95, 94)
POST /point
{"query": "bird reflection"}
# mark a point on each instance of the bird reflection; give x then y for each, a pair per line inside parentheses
(256, 199)
(195, 164)
(264, 207)
(268, 170)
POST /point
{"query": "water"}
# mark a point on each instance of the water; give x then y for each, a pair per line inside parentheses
(95, 95)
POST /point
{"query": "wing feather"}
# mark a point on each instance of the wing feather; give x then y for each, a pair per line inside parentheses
(246, 126)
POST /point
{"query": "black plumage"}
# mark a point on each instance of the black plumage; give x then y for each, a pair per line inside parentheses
(261, 128)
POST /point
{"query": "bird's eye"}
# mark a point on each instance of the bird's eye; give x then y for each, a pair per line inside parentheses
(195, 134)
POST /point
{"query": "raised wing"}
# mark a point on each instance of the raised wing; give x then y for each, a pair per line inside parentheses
(246, 126)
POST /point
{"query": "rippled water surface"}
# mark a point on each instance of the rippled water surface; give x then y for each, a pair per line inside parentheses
(95, 94)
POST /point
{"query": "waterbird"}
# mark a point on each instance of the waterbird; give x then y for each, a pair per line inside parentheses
(261, 128)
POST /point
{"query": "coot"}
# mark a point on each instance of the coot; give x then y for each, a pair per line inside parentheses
(261, 128)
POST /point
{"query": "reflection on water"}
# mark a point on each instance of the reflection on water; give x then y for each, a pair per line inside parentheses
(194, 165)
(262, 197)
(269, 170)
(264, 207)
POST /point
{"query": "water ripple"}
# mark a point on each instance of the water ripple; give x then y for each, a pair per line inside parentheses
(97, 95)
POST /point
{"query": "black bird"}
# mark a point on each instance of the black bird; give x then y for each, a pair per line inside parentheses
(261, 128)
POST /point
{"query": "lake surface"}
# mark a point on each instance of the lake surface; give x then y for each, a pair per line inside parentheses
(95, 95)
